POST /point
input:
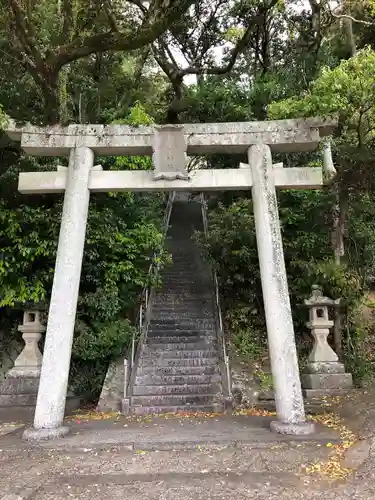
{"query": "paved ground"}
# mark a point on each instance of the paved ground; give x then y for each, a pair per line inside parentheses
(211, 457)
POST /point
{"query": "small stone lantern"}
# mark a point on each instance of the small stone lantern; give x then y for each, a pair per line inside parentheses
(29, 362)
(324, 374)
(20, 387)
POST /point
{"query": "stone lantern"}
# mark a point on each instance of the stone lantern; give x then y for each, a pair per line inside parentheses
(29, 362)
(21, 384)
(324, 375)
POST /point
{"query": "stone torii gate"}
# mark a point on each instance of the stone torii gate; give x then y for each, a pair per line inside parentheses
(169, 146)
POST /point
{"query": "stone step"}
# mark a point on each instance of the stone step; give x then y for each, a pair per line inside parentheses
(199, 311)
(185, 272)
(173, 399)
(175, 295)
(165, 362)
(160, 390)
(179, 335)
(177, 316)
(181, 329)
(179, 286)
(183, 281)
(188, 322)
(153, 353)
(182, 305)
(147, 410)
(187, 297)
(186, 268)
(179, 346)
(188, 304)
(149, 379)
(183, 297)
(176, 339)
(186, 276)
(178, 370)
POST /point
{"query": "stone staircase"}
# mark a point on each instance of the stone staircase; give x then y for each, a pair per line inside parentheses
(179, 367)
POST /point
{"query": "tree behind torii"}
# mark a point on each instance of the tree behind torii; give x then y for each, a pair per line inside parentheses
(46, 36)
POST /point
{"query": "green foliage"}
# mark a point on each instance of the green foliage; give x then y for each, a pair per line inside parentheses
(3, 117)
(28, 238)
(217, 101)
(347, 91)
(231, 246)
(266, 380)
(137, 116)
(102, 340)
(249, 337)
(87, 378)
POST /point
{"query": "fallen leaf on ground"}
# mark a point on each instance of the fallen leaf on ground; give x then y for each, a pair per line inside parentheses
(93, 415)
(332, 467)
(254, 412)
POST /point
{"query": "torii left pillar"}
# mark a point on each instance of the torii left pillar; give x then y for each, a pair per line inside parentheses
(50, 407)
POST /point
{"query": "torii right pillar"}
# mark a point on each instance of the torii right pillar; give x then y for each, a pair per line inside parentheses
(280, 331)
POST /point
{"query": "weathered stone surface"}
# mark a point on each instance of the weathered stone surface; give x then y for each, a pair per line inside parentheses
(29, 361)
(169, 152)
(113, 387)
(17, 399)
(49, 412)
(125, 406)
(282, 347)
(323, 393)
(320, 325)
(200, 180)
(245, 386)
(10, 347)
(32, 434)
(294, 429)
(283, 135)
(356, 455)
(323, 371)
(324, 367)
(321, 351)
(327, 381)
(19, 385)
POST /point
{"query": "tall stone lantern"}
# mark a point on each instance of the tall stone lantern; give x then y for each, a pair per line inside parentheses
(324, 375)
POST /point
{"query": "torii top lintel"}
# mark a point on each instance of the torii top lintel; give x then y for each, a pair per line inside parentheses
(301, 134)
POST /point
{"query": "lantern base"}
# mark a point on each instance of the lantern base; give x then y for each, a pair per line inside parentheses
(322, 394)
(327, 381)
(320, 367)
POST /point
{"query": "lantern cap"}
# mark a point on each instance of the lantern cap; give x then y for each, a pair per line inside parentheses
(317, 299)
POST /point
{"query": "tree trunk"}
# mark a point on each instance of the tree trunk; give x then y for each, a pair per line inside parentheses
(350, 35)
(51, 95)
(338, 226)
(340, 211)
(63, 94)
(51, 107)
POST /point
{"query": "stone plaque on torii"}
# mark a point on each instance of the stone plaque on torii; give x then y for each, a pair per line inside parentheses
(169, 146)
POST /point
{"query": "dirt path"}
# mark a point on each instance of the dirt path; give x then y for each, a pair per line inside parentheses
(201, 456)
